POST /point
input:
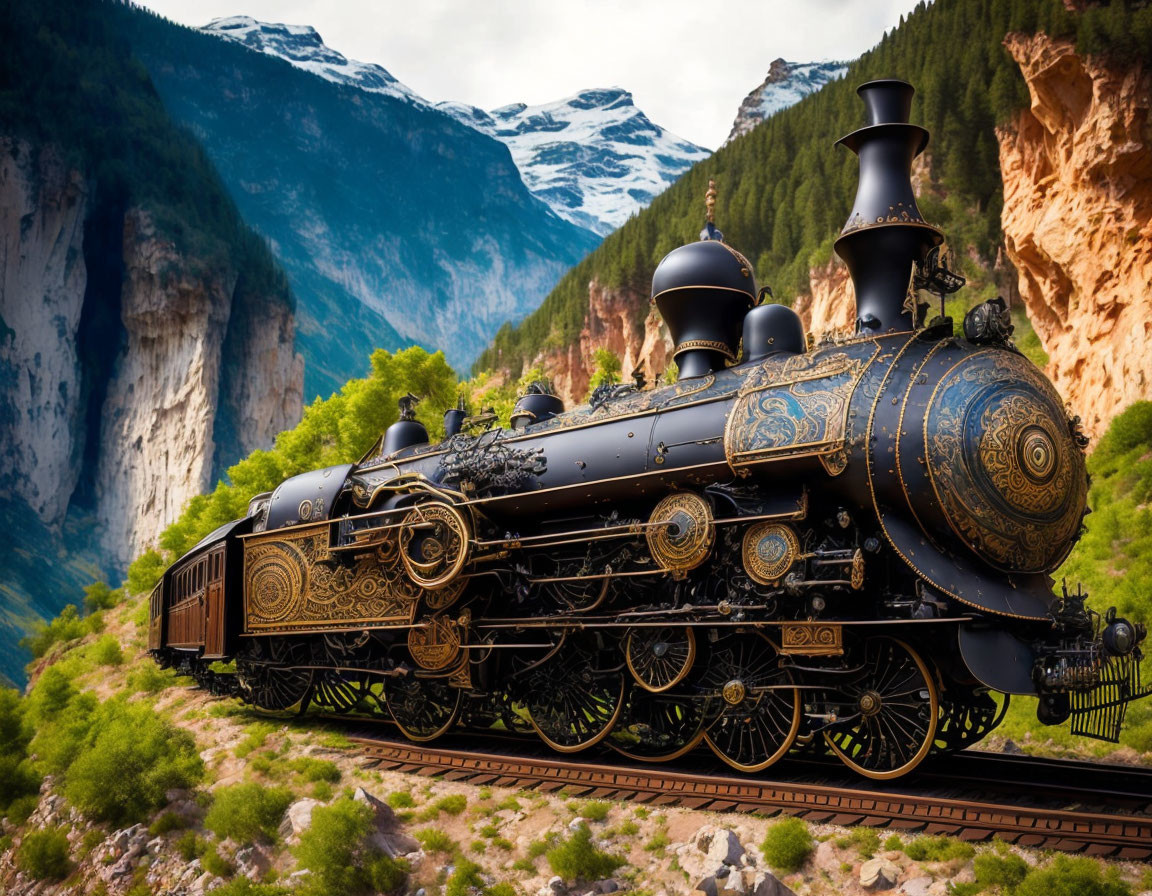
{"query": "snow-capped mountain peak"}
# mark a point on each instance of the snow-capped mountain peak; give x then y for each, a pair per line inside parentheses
(785, 85)
(304, 48)
(594, 157)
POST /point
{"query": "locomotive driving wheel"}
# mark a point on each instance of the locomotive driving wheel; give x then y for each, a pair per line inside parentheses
(336, 691)
(657, 727)
(659, 657)
(572, 699)
(271, 687)
(423, 708)
(754, 713)
(890, 708)
(966, 717)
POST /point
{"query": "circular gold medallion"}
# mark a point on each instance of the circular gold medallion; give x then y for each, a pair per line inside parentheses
(681, 533)
(434, 544)
(435, 643)
(734, 692)
(769, 550)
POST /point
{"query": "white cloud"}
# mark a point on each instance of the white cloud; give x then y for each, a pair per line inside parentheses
(688, 64)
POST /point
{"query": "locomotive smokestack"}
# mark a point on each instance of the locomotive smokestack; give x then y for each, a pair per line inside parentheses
(885, 234)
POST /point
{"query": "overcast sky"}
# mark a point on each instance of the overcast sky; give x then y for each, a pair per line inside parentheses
(688, 64)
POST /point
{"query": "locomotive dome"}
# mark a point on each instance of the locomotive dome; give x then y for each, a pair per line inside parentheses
(703, 291)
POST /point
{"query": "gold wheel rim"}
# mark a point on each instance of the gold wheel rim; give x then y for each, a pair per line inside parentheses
(679, 676)
(929, 739)
(591, 742)
(424, 738)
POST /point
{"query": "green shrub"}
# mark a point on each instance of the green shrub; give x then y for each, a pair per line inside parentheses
(537, 848)
(149, 678)
(214, 863)
(312, 770)
(435, 840)
(658, 843)
(322, 791)
(169, 821)
(107, 652)
(99, 596)
(1005, 871)
(255, 737)
(68, 626)
(938, 849)
(242, 886)
(501, 889)
(577, 858)
(401, 799)
(335, 850)
(595, 810)
(1067, 876)
(130, 758)
(247, 812)
(525, 864)
(464, 879)
(43, 855)
(510, 803)
(894, 842)
(866, 841)
(451, 805)
(189, 845)
(787, 845)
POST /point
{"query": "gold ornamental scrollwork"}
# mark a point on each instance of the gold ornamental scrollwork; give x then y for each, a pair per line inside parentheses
(811, 639)
(293, 581)
(681, 532)
(769, 550)
(435, 541)
(434, 643)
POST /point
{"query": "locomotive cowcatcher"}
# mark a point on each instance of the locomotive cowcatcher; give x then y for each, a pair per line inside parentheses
(844, 546)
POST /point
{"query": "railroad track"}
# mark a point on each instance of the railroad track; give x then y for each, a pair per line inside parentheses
(1070, 806)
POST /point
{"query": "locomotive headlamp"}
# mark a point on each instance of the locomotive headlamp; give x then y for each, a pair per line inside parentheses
(1119, 637)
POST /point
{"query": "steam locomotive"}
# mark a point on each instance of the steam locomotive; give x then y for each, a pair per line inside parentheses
(844, 546)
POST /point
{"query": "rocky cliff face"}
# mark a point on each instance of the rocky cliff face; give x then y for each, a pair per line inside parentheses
(158, 432)
(42, 283)
(1077, 220)
(612, 323)
(830, 303)
(186, 373)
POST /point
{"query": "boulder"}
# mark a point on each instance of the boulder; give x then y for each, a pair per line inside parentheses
(879, 874)
(297, 819)
(253, 862)
(916, 886)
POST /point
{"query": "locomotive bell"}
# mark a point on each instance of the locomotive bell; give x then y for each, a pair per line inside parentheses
(407, 431)
(703, 290)
(885, 234)
(772, 328)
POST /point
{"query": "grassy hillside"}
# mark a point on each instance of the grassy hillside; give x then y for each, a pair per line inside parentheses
(785, 190)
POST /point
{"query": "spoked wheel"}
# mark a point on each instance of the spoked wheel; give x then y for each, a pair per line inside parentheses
(891, 712)
(659, 657)
(754, 714)
(657, 727)
(424, 708)
(274, 688)
(966, 717)
(336, 691)
(573, 696)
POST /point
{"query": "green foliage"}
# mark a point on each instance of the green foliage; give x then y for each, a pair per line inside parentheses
(578, 858)
(189, 845)
(128, 759)
(894, 843)
(107, 652)
(44, 854)
(242, 886)
(401, 799)
(999, 870)
(594, 810)
(100, 596)
(509, 803)
(501, 889)
(315, 770)
(247, 812)
(214, 863)
(658, 843)
(606, 369)
(167, 822)
(866, 841)
(255, 736)
(335, 850)
(938, 849)
(17, 777)
(785, 190)
(453, 804)
(335, 430)
(435, 840)
(787, 845)
(68, 626)
(463, 879)
(1067, 876)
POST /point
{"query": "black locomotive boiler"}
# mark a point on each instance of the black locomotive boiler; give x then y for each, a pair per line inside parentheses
(844, 547)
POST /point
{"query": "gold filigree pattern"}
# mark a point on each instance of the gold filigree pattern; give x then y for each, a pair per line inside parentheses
(291, 581)
(434, 544)
(1003, 462)
(798, 406)
(811, 639)
(686, 543)
(435, 644)
(768, 551)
